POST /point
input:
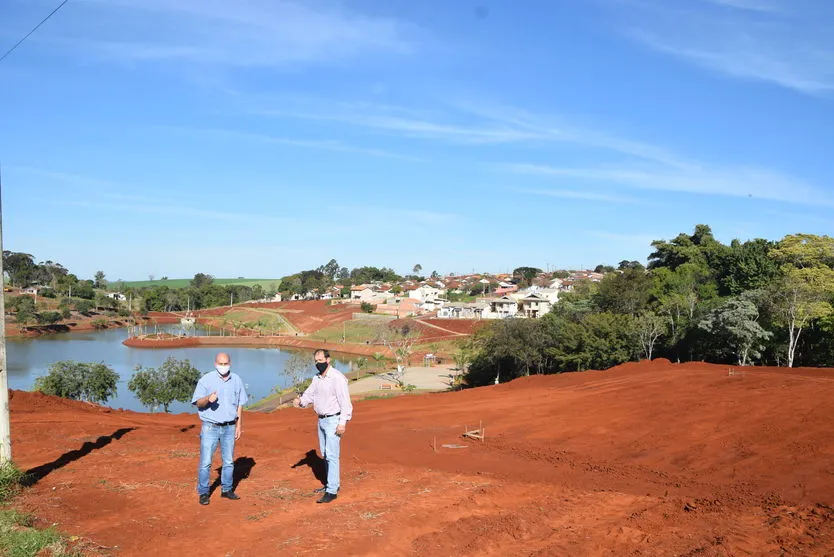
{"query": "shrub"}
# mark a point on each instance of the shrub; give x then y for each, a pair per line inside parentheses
(367, 307)
(83, 306)
(99, 323)
(48, 317)
(10, 480)
(92, 382)
(173, 380)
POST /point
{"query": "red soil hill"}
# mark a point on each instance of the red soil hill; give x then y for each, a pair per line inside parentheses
(643, 459)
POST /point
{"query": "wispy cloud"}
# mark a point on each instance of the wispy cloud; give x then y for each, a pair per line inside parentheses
(790, 44)
(751, 5)
(388, 216)
(325, 144)
(752, 183)
(261, 33)
(585, 196)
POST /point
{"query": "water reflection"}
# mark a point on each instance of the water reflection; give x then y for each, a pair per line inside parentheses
(260, 368)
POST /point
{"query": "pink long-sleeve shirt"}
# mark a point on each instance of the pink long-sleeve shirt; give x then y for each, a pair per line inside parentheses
(329, 395)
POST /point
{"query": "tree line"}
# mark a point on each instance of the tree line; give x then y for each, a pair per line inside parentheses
(744, 303)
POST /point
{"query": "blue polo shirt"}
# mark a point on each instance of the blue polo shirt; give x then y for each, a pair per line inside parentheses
(230, 395)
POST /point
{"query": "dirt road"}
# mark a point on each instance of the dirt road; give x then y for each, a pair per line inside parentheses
(643, 459)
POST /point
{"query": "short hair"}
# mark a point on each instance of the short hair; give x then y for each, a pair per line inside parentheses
(321, 351)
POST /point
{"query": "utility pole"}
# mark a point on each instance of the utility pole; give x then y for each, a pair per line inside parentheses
(5, 427)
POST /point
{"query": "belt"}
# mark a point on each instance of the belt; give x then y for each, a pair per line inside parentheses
(233, 422)
(322, 416)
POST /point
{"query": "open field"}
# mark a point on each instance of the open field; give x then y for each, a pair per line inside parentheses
(184, 283)
(643, 459)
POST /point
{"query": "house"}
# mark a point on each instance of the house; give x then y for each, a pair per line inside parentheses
(33, 290)
(426, 293)
(470, 310)
(361, 292)
(118, 296)
(503, 307)
(539, 302)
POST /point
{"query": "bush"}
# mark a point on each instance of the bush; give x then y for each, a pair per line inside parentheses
(92, 382)
(47, 293)
(66, 313)
(10, 480)
(173, 380)
(367, 307)
(99, 324)
(48, 317)
(83, 306)
(123, 312)
(19, 539)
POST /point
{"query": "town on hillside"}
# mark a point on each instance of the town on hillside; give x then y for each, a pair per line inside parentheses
(475, 296)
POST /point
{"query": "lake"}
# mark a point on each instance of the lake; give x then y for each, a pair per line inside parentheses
(260, 368)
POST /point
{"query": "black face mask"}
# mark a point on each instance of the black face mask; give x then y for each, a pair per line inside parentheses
(321, 366)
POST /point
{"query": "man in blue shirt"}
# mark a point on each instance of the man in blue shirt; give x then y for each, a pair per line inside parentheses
(219, 397)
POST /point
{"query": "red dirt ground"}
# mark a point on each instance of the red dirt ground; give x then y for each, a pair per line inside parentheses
(642, 459)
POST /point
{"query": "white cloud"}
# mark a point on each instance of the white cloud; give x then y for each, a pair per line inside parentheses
(752, 183)
(264, 33)
(790, 44)
(325, 144)
(586, 196)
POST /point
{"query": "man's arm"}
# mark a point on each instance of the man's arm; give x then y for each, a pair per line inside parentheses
(239, 425)
(307, 397)
(345, 405)
(202, 398)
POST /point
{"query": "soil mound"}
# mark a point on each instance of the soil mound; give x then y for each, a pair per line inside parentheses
(647, 458)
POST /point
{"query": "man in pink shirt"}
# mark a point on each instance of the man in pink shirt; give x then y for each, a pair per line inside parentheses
(328, 393)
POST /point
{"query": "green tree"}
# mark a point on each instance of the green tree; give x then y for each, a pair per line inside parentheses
(20, 267)
(48, 317)
(88, 381)
(99, 281)
(201, 279)
(627, 292)
(803, 292)
(83, 306)
(525, 275)
(174, 380)
(735, 324)
(604, 269)
(367, 307)
(649, 327)
(416, 269)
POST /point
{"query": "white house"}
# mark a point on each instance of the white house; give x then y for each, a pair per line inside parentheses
(471, 310)
(539, 302)
(503, 307)
(426, 293)
(118, 296)
(363, 293)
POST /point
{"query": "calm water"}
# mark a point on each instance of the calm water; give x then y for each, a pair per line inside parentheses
(260, 368)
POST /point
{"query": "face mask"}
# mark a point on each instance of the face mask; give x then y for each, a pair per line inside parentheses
(321, 366)
(223, 369)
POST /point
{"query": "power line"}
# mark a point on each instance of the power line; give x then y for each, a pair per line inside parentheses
(44, 20)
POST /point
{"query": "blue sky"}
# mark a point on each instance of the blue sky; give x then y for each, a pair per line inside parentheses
(171, 137)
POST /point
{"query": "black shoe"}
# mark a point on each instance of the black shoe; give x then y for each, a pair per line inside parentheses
(326, 498)
(322, 489)
(204, 499)
(230, 495)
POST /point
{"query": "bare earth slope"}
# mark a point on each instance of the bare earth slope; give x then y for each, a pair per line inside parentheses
(643, 459)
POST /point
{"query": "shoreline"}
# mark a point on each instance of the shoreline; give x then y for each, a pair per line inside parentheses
(257, 342)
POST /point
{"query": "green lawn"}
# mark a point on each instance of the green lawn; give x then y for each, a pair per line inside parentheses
(356, 331)
(266, 284)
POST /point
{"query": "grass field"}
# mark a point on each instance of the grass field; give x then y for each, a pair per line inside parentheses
(266, 284)
(356, 331)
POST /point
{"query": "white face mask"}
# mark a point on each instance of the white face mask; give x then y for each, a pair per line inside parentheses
(223, 369)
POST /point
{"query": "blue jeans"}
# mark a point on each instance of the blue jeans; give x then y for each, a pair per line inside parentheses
(210, 436)
(329, 446)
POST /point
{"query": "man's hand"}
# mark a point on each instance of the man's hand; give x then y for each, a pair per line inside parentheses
(238, 430)
(296, 402)
(212, 398)
(340, 430)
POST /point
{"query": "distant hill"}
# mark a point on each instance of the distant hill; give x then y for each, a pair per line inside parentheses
(185, 282)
